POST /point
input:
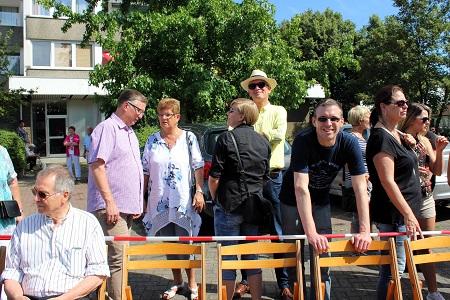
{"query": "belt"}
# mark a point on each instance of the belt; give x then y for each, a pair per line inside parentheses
(274, 173)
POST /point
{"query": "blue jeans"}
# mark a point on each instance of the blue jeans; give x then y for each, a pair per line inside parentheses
(226, 224)
(385, 271)
(292, 225)
(271, 192)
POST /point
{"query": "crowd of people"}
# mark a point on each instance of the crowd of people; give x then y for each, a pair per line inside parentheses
(390, 176)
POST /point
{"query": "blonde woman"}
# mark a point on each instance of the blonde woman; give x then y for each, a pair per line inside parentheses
(359, 118)
(417, 123)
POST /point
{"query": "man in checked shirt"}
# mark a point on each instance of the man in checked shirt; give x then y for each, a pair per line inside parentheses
(46, 257)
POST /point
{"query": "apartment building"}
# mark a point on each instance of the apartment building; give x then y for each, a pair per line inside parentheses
(55, 66)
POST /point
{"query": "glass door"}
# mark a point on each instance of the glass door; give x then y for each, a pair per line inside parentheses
(56, 127)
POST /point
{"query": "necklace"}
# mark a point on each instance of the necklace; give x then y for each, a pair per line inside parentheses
(170, 141)
(384, 125)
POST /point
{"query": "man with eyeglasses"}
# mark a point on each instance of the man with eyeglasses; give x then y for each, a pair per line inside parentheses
(318, 153)
(116, 180)
(272, 125)
(59, 251)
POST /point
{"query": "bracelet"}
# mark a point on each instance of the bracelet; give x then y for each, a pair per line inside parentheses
(199, 191)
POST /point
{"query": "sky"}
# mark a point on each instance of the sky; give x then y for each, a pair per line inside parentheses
(357, 11)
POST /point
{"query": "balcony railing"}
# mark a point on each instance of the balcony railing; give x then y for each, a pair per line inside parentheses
(9, 19)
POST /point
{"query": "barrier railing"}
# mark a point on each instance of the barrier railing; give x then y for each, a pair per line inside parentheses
(243, 238)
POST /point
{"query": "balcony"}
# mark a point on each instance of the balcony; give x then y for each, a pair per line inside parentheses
(9, 19)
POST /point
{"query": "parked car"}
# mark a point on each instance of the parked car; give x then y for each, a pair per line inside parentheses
(441, 191)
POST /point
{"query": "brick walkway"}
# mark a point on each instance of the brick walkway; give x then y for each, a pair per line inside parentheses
(347, 283)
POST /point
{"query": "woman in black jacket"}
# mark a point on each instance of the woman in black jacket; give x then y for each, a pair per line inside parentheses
(227, 186)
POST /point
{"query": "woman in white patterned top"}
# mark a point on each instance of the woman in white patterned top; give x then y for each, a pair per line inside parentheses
(172, 210)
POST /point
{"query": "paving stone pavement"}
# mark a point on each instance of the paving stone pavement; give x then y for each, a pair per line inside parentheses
(347, 283)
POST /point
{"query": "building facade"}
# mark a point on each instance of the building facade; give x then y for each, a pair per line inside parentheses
(56, 68)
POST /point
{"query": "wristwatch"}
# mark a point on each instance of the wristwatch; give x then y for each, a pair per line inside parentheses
(199, 191)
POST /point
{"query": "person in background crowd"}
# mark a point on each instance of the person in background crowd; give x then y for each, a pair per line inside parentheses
(228, 190)
(69, 263)
(171, 156)
(22, 132)
(87, 142)
(394, 173)
(72, 144)
(417, 123)
(318, 154)
(31, 156)
(116, 181)
(359, 118)
(272, 125)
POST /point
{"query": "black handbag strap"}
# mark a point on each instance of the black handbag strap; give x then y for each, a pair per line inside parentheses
(190, 156)
(241, 165)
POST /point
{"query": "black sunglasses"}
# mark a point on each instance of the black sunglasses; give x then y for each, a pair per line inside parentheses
(253, 86)
(399, 103)
(325, 119)
(424, 119)
(43, 196)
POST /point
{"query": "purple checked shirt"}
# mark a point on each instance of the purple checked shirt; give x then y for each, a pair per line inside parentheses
(118, 146)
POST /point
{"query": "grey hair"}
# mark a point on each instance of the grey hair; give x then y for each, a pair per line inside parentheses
(63, 179)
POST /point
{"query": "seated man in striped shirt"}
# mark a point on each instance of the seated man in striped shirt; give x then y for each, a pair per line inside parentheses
(58, 252)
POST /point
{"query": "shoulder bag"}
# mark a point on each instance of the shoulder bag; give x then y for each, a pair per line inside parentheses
(258, 210)
(9, 209)
(192, 183)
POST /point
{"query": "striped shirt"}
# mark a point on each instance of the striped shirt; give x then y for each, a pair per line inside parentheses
(117, 145)
(362, 144)
(50, 261)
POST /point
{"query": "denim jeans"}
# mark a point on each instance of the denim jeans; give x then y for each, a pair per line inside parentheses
(271, 192)
(385, 271)
(293, 225)
(226, 224)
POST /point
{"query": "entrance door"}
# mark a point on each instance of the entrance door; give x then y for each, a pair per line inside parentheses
(56, 126)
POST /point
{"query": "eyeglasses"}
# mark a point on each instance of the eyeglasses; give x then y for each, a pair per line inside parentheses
(43, 196)
(138, 110)
(260, 84)
(325, 119)
(167, 116)
(424, 119)
(399, 103)
(232, 111)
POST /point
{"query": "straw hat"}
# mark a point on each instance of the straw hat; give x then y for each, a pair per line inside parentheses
(258, 74)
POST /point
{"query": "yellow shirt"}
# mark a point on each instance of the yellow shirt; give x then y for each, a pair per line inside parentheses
(272, 121)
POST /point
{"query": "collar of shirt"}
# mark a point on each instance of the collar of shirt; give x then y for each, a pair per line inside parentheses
(120, 123)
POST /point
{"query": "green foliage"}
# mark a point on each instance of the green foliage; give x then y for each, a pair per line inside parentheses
(196, 51)
(144, 132)
(16, 149)
(10, 100)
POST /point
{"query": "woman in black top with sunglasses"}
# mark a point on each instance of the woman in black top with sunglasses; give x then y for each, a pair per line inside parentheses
(393, 170)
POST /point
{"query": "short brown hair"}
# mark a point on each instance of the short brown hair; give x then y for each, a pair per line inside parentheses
(248, 108)
(131, 95)
(169, 103)
(325, 103)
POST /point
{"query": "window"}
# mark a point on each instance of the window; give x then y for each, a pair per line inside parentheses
(84, 56)
(41, 53)
(81, 5)
(62, 55)
(9, 16)
(39, 10)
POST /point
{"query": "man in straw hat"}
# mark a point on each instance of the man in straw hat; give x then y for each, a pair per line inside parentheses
(271, 124)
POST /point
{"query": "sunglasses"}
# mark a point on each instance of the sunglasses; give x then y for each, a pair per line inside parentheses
(43, 196)
(253, 86)
(424, 119)
(400, 103)
(325, 119)
(138, 110)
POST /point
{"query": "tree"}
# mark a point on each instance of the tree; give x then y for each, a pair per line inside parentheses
(10, 100)
(197, 51)
(325, 48)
